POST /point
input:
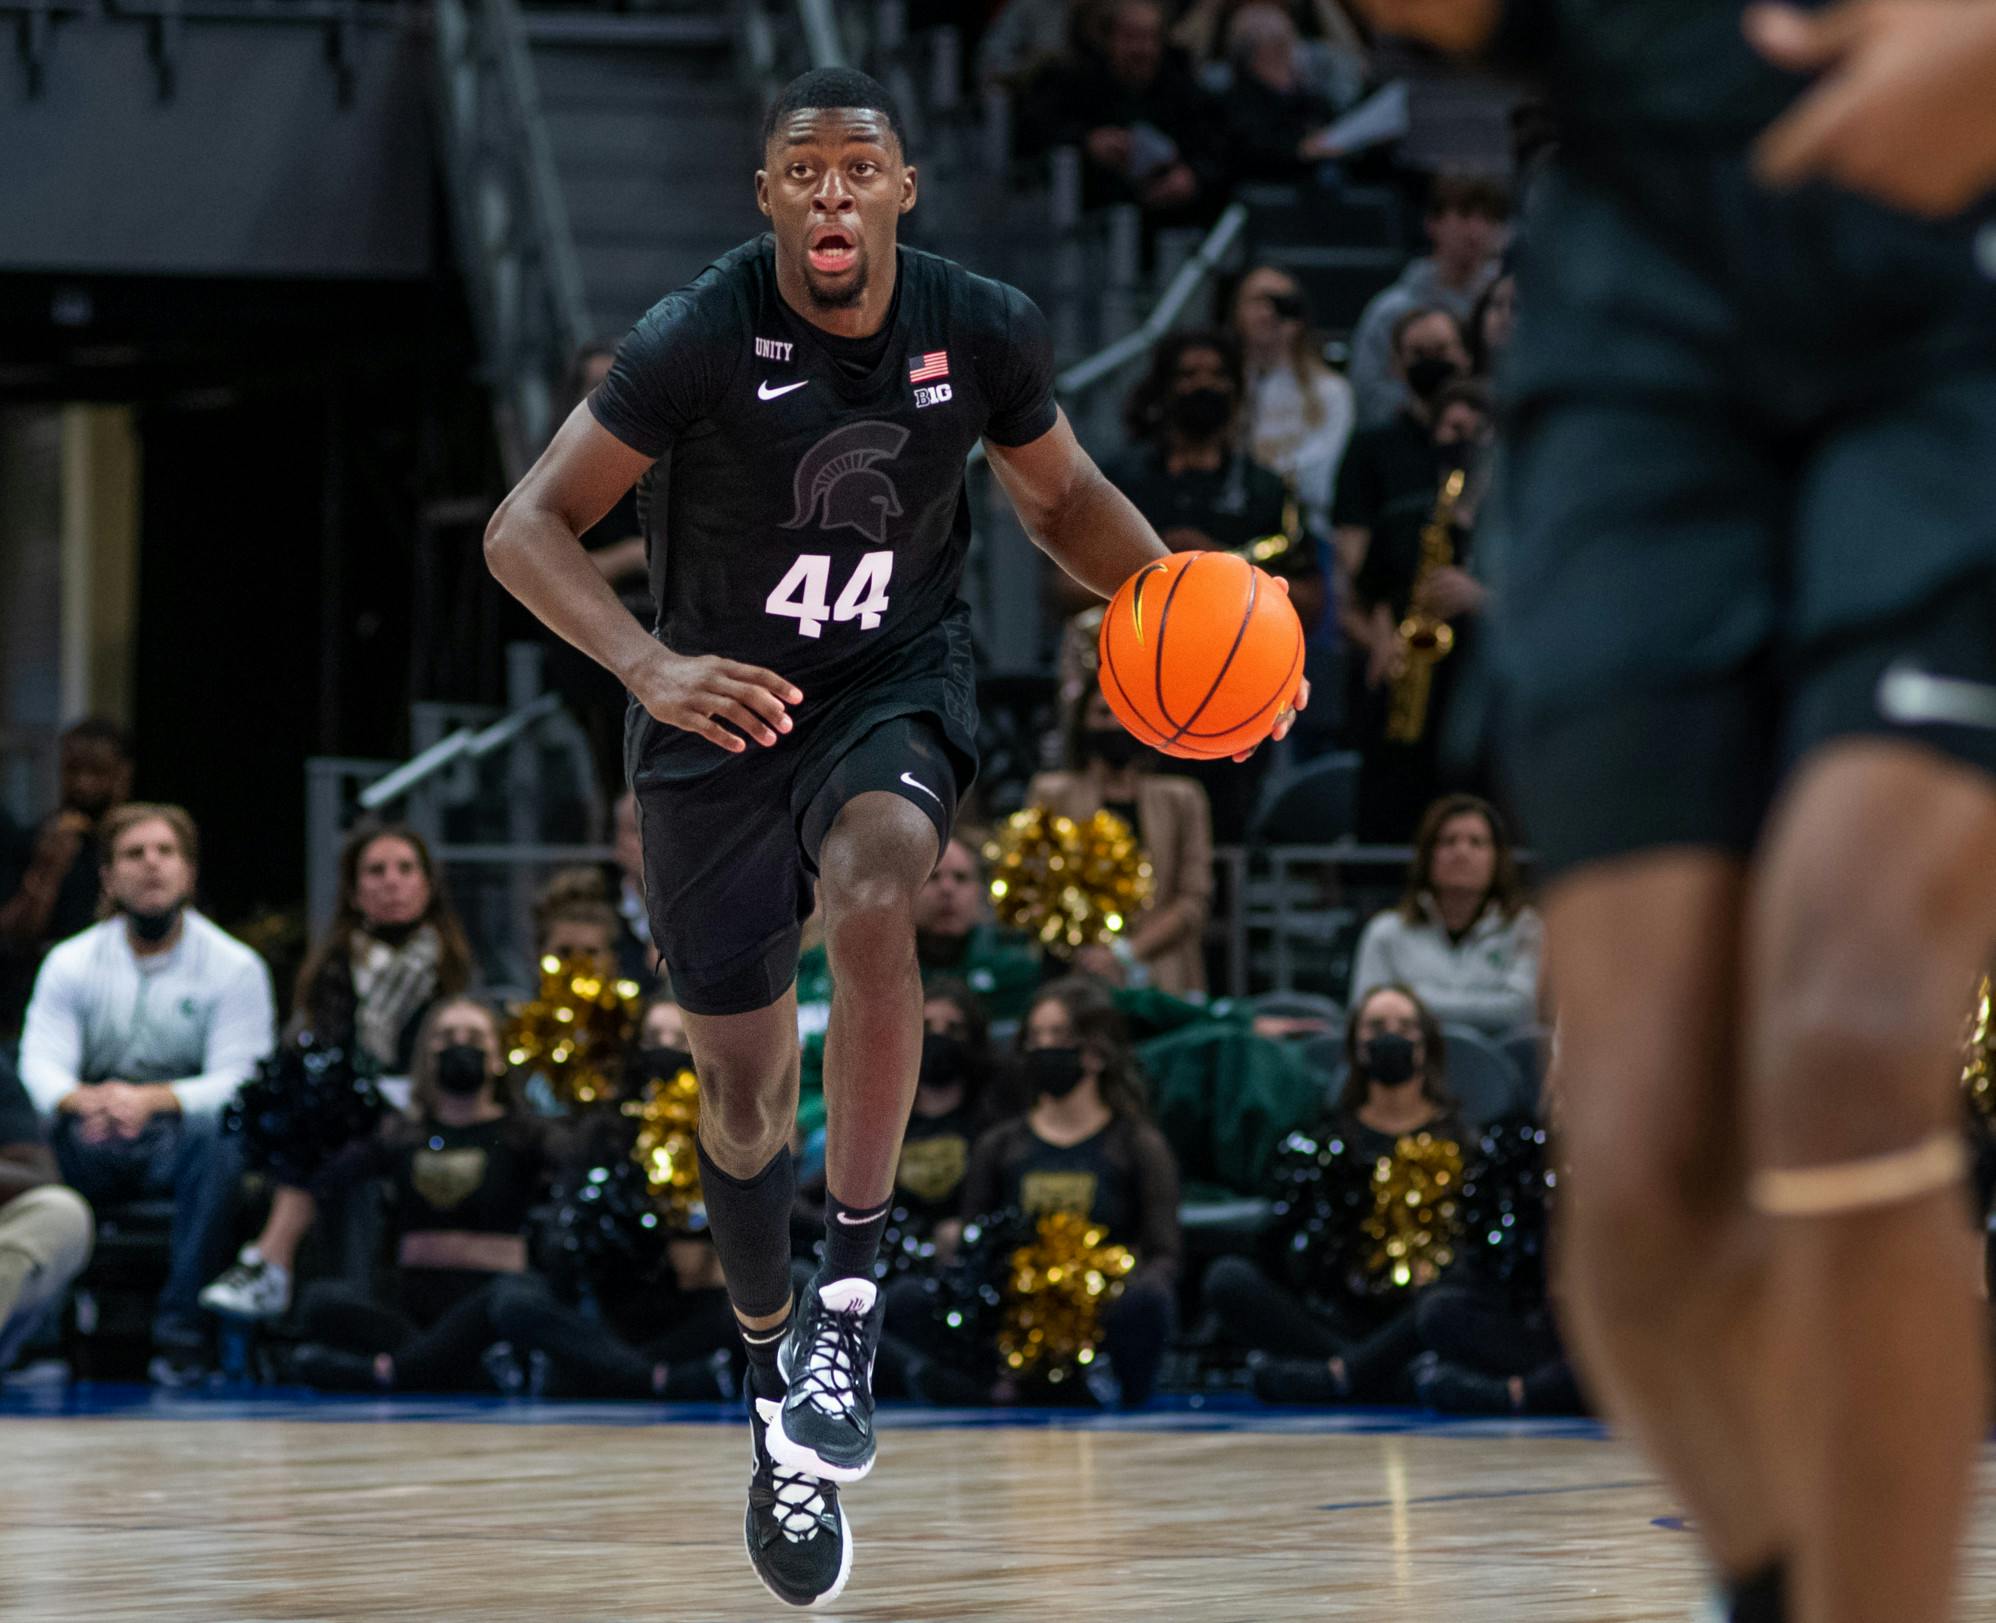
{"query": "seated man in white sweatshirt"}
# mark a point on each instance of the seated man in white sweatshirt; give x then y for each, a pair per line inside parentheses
(138, 1032)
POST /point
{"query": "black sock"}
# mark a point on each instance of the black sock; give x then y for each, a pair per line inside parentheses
(1759, 1597)
(852, 1238)
(762, 1346)
(750, 1222)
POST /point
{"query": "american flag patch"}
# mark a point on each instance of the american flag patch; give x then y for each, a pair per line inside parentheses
(935, 364)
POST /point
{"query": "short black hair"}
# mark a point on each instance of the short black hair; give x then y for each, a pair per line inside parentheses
(835, 87)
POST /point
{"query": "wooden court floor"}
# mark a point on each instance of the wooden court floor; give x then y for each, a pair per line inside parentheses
(309, 1516)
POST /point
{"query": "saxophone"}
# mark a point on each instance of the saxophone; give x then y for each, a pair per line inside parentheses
(1425, 638)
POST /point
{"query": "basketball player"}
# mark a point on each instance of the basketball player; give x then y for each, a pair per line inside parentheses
(1748, 610)
(805, 714)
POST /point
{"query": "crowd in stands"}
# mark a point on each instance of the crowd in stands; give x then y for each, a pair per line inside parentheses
(436, 1247)
(424, 1251)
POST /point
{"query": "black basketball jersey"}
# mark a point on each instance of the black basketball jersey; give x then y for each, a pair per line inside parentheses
(808, 511)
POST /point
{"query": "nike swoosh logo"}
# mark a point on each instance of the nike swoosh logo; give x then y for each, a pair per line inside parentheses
(912, 784)
(765, 392)
(857, 1222)
(1914, 697)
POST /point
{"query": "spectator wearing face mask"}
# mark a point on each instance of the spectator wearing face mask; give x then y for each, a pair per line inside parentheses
(1345, 1345)
(1386, 490)
(1108, 770)
(635, 1338)
(1401, 777)
(1468, 221)
(138, 1032)
(956, 939)
(1086, 1145)
(1184, 467)
(463, 1169)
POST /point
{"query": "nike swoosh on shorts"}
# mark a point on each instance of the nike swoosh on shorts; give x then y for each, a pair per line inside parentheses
(912, 784)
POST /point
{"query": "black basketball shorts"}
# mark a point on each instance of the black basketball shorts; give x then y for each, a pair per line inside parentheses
(731, 857)
(1747, 505)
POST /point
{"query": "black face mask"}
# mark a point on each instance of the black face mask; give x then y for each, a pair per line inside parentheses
(1113, 747)
(1054, 1072)
(1199, 414)
(149, 926)
(394, 935)
(945, 1060)
(1429, 375)
(461, 1069)
(1388, 1059)
(662, 1064)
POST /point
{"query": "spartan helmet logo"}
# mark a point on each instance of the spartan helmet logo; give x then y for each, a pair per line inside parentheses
(837, 475)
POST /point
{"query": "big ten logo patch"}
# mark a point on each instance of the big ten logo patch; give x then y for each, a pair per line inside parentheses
(1043, 1192)
(935, 395)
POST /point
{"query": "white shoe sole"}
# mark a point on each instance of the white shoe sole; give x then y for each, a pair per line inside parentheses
(794, 1456)
(227, 1307)
(838, 1584)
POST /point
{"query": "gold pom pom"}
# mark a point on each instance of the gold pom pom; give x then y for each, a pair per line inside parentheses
(1978, 1076)
(1067, 884)
(574, 1033)
(1054, 1294)
(669, 1117)
(1413, 1224)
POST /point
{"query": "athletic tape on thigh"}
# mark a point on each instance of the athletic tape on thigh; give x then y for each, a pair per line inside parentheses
(1853, 1186)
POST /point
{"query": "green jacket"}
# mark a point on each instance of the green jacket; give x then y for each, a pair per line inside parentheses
(998, 965)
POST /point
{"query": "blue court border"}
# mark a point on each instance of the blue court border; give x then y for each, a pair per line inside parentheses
(1221, 1413)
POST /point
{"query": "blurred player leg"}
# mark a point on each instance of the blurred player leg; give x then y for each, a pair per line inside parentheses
(1663, 1264)
(1870, 920)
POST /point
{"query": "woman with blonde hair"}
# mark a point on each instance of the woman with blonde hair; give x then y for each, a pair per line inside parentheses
(1300, 412)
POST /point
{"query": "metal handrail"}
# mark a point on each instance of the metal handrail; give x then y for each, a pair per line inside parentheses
(1086, 373)
(467, 744)
(822, 36)
(550, 208)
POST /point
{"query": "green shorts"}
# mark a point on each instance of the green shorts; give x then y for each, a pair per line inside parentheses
(1750, 468)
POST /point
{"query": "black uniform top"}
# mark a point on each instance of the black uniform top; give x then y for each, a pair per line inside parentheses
(482, 1178)
(1123, 1177)
(808, 510)
(935, 1154)
(1373, 1145)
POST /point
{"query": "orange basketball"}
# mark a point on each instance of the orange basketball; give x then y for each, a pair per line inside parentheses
(1199, 653)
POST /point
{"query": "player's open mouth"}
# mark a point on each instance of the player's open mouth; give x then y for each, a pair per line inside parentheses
(832, 251)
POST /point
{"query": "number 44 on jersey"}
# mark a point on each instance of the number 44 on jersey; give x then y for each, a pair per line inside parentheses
(803, 593)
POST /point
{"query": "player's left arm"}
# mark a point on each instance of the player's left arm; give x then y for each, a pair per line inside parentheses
(1902, 108)
(1071, 510)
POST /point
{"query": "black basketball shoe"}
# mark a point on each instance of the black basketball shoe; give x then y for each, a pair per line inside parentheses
(826, 1424)
(799, 1541)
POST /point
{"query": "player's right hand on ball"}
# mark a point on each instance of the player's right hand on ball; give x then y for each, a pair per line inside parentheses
(708, 695)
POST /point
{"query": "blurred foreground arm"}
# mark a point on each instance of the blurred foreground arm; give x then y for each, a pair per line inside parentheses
(1904, 108)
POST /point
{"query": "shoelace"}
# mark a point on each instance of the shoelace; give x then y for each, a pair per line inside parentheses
(798, 1503)
(831, 1368)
